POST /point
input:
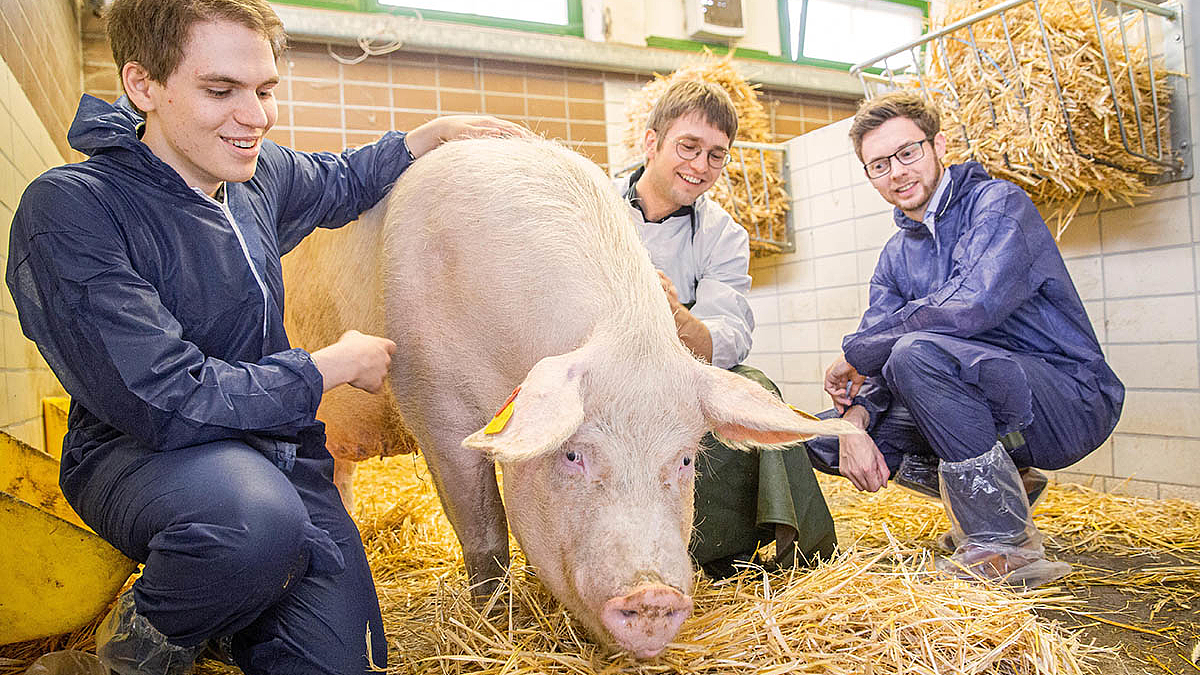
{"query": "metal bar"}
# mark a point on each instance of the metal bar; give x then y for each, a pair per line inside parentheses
(1133, 88)
(954, 90)
(732, 201)
(1153, 86)
(1168, 13)
(920, 75)
(1112, 86)
(1012, 56)
(762, 163)
(746, 180)
(979, 63)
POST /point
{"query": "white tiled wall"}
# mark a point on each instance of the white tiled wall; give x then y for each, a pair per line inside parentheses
(26, 150)
(1137, 270)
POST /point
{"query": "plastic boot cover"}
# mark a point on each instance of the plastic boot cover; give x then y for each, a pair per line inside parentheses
(128, 645)
(919, 473)
(1034, 482)
(67, 662)
(990, 515)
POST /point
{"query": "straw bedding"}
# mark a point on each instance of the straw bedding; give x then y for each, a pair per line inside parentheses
(740, 191)
(1027, 142)
(877, 608)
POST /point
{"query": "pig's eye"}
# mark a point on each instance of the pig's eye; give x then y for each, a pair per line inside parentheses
(573, 456)
(687, 461)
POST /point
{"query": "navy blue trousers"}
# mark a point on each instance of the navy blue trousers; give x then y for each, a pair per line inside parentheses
(233, 545)
(954, 398)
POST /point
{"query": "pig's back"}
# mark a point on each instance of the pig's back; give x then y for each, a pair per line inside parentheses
(498, 253)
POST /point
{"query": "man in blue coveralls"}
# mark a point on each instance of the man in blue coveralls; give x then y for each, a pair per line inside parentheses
(975, 361)
(149, 277)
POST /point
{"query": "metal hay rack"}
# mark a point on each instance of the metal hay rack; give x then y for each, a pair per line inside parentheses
(1126, 77)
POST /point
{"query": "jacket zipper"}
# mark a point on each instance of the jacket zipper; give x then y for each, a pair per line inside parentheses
(262, 287)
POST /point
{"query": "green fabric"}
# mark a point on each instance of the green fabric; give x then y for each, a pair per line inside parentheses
(741, 497)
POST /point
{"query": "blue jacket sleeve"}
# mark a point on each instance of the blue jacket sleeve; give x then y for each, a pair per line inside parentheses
(989, 278)
(117, 350)
(327, 189)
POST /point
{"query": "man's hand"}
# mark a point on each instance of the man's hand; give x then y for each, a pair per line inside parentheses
(360, 360)
(456, 127)
(842, 383)
(691, 331)
(858, 457)
(669, 288)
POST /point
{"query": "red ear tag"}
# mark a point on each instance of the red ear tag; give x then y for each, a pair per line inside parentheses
(501, 418)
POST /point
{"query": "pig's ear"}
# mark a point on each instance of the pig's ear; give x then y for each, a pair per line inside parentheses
(546, 411)
(743, 412)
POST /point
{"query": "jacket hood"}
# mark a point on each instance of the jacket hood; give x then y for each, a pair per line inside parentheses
(115, 130)
(963, 177)
(99, 125)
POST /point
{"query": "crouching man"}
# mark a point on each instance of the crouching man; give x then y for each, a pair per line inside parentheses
(975, 361)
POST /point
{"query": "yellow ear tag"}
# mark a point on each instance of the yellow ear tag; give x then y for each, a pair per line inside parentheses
(501, 419)
(807, 416)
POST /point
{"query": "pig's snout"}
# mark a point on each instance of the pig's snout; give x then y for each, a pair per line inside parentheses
(644, 621)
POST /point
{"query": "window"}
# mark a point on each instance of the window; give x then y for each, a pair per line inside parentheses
(537, 11)
(850, 31)
(559, 17)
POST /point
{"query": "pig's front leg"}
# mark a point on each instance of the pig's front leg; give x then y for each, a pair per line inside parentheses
(466, 485)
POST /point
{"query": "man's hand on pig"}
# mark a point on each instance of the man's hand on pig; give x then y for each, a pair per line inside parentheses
(456, 127)
(357, 359)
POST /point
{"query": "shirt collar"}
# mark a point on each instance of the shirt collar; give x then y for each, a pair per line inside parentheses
(632, 197)
(931, 209)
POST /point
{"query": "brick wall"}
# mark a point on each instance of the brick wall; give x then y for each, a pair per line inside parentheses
(1137, 270)
(327, 105)
(39, 42)
(27, 148)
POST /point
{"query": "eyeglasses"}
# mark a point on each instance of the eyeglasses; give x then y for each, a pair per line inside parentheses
(688, 149)
(878, 168)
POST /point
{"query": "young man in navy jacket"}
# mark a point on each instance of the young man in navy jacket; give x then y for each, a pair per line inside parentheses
(149, 276)
(975, 361)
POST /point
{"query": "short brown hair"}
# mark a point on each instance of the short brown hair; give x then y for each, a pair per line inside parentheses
(874, 112)
(688, 96)
(154, 32)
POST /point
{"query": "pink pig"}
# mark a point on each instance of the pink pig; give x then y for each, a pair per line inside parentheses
(495, 264)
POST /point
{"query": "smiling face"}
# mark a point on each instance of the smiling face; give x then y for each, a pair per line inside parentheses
(670, 181)
(907, 186)
(207, 121)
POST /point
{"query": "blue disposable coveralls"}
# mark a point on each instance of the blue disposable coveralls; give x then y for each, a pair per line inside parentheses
(977, 334)
(192, 444)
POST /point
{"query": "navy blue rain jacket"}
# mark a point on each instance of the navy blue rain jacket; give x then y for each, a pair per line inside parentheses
(161, 317)
(994, 275)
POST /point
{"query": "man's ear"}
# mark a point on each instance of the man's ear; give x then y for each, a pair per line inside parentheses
(135, 79)
(741, 411)
(939, 145)
(649, 144)
(546, 410)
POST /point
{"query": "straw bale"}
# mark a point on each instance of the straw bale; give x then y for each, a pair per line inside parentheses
(740, 190)
(1027, 141)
